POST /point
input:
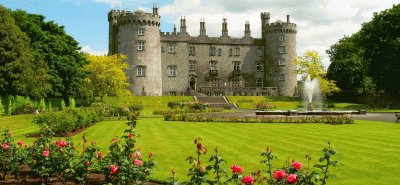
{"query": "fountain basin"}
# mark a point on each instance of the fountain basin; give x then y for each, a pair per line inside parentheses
(313, 112)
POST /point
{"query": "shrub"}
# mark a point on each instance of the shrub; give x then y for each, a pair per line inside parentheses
(264, 105)
(135, 107)
(2, 111)
(69, 120)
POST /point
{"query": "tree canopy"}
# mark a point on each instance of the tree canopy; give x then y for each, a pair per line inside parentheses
(50, 44)
(368, 62)
(106, 76)
(311, 64)
(19, 74)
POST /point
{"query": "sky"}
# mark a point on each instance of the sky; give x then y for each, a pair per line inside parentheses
(320, 23)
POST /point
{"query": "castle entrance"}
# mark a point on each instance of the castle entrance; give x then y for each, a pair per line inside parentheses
(192, 82)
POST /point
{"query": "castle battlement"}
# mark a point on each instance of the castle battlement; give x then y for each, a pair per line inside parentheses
(138, 17)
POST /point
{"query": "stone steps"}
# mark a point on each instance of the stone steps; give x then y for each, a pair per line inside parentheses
(215, 102)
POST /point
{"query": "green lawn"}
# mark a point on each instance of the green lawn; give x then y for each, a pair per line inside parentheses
(369, 150)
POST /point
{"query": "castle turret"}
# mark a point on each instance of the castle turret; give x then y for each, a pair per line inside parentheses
(224, 27)
(247, 32)
(265, 16)
(137, 35)
(183, 26)
(203, 28)
(155, 9)
(280, 41)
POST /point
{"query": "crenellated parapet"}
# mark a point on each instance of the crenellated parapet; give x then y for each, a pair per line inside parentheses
(280, 26)
(139, 17)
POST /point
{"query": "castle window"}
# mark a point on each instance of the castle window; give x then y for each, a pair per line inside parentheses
(260, 66)
(213, 51)
(192, 65)
(215, 83)
(236, 82)
(140, 31)
(192, 51)
(230, 52)
(282, 62)
(259, 82)
(236, 66)
(281, 37)
(282, 49)
(282, 77)
(140, 71)
(140, 46)
(171, 48)
(219, 52)
(171, 71)
(259, 52)
(213, 65)
(237, 51)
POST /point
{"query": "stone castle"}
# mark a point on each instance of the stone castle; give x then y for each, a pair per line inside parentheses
(176, 63)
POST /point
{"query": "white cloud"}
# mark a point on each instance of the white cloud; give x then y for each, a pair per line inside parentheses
(88, 49)
(320, 23)
(112, 3)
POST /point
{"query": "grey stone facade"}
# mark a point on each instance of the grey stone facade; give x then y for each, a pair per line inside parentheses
(174, 63)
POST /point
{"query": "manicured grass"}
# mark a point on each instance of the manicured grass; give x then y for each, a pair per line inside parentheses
(249, 102)
(149, 103)
(369, 150)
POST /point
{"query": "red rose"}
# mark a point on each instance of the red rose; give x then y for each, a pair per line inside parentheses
(199, 147)
(130, 135)
(138, 155)
(137, 162)
(45, 153)
(150, 155)
(248, 180)
(5, 146)
(114, 140)
(61, 143)
(20, 143)
(237, 169)
(113, 169)
(10, 134)
(296, 165)
(292, 178)
(87, 163)
(279, 175)
(99, 155)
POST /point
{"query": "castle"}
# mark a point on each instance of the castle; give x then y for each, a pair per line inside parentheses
(176, 63)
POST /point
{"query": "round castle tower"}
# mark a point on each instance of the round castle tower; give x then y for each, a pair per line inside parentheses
(137, 35)
(280, 49)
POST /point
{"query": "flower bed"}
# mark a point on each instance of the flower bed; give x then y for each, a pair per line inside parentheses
(328, 119)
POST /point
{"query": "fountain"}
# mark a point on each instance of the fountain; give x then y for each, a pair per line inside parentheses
(310, 88)
(311, 92)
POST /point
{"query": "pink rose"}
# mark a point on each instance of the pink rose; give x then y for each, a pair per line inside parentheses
(87, 163)
(137, 162)
(296, 165)
(99, 155)
(279, 175)
(45, 153)
(292, 178)
(61, 143)
(5, 146)
(20, 143)
(237, 169)
(114, 169)
(138, 155)
(248, 180)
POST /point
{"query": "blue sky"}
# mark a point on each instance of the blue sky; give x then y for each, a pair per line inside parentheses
(320, 23)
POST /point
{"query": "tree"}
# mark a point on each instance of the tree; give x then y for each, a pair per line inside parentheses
(367, 63)
(349, 70)
(380, 40)
(50, 44)
(19, 74)
(106, 76)
(311, 64)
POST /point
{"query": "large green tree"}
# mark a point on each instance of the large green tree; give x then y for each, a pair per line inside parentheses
(19, 74)
(50, 43)
(310, 64)
(106, 76)
(368, 62)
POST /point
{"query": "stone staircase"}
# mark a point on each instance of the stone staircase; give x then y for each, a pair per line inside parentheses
(215, 101)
